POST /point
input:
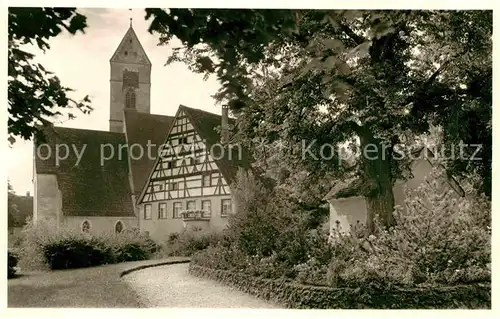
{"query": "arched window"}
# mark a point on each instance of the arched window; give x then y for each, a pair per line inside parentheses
(118, 227)
(130, 100)
(86, 226)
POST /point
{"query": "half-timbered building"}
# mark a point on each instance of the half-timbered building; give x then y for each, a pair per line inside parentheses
(189, 185)
(159, 174)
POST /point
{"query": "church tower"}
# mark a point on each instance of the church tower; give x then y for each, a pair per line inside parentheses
(130, 81)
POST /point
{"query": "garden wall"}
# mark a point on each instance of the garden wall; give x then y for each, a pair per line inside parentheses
(294, 295)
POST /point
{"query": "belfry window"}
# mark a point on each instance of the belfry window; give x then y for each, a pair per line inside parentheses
(130, 100)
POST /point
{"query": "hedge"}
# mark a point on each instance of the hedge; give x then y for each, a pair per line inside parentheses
(12, 264)
(293, 295)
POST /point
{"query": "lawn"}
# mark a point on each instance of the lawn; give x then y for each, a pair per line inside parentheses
(95, 287)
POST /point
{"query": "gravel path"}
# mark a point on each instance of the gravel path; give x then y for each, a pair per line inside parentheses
(173, 286)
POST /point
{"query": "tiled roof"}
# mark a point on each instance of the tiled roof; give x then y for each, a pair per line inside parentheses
(88, 187)
(141, 128)
(206, 125)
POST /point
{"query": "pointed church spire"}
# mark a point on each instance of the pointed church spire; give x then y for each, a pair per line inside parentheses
(130, 81)
(130, 49)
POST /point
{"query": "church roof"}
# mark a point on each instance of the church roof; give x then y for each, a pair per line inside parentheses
(87, 187)
(143, 129)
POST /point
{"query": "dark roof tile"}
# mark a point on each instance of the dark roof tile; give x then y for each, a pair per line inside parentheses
(143, 129)
(95, 185)
(231, 160)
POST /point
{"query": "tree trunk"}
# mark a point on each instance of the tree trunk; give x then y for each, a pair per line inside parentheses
(376, 161)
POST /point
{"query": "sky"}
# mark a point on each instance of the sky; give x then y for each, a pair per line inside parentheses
(81, 62)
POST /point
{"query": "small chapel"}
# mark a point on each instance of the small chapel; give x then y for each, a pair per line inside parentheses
(152, 173)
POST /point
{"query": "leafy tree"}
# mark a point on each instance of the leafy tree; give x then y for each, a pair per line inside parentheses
(35, 93)
(12, 209)
(377, 77)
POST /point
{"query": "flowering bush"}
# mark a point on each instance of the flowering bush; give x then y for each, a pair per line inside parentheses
(439, 238)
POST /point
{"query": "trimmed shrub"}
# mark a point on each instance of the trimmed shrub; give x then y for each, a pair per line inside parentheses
(131, 246)
(12, 260)
(47, 246)
(189, 242)
(293, 295)
(77, 253)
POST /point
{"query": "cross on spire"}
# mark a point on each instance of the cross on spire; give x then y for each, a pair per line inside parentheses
(130, 16)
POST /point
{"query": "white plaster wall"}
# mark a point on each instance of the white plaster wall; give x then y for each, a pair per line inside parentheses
(160, 229)
(349, 210)
(345, 212)
(48, 200)
(99, 224)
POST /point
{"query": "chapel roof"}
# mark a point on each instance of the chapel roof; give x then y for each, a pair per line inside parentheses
(97, 184)
(143, 129)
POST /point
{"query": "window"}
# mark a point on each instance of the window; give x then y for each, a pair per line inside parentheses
(226, 207)
(206, 206)
(147, 211)
(177, 206)
(183, 140)
(130, 100)
(191, 205)
(207, 180)
(173, 186)
(86, 226)
(162, 210)
(160, 187)
(171, 164)
(118, 227)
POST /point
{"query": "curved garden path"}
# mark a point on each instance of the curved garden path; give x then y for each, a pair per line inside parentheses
(173, 286)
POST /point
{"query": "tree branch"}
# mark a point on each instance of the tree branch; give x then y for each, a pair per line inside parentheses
(426, 84)
(351, 34)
